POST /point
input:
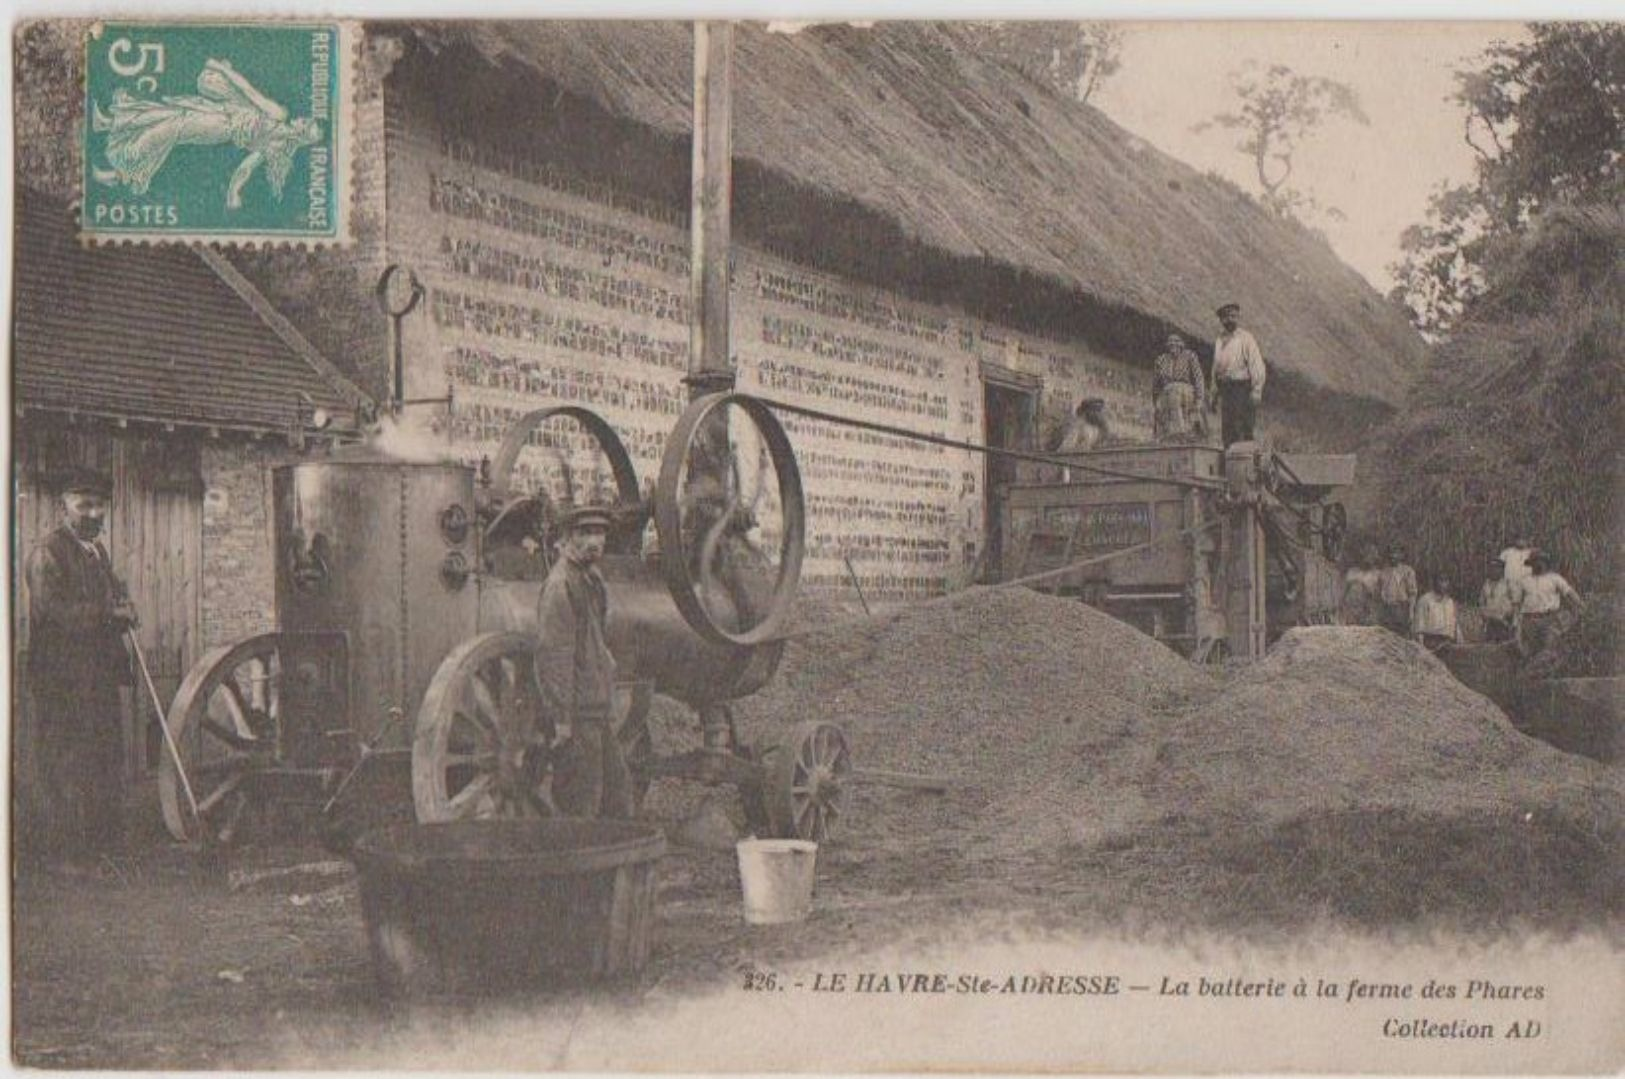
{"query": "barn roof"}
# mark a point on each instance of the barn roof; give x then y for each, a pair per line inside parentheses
(974, 159)
(162, 334)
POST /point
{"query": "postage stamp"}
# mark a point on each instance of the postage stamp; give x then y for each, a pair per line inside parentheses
(226, 132)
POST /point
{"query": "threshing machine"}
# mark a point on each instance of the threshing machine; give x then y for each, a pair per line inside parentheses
(406, 594)
(1214, 551)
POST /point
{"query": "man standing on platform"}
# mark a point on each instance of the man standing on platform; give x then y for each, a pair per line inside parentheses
(1178, 392)
(1238, 376)
(78, 612)
(576, 672)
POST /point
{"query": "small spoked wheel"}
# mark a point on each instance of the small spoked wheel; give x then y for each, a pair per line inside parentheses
(478, 753)
(804, 779)
(222, 723)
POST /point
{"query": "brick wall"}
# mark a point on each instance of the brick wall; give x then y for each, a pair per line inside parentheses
(548, 286)
(238, 589)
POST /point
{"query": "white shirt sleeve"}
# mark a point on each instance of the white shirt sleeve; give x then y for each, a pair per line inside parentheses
(1255, 363)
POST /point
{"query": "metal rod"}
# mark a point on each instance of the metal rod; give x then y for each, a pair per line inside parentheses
(853, 574)
(996, 451)
(1030, 578)
(394, 716)
(1109, 555)
(163, 724)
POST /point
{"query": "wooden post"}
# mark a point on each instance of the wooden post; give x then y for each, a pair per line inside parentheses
(710, 364)
(1244, 567)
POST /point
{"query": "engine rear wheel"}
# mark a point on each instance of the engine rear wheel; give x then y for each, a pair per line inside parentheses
(223, 724)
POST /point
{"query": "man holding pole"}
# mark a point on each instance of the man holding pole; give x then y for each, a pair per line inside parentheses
(78, 615)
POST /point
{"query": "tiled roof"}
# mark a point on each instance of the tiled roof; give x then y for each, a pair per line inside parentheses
(152, 333)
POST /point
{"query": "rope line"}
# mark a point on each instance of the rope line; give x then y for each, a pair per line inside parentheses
(996, 451)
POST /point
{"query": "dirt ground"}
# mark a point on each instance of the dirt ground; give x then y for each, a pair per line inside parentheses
(1346, 785)
(160, 961)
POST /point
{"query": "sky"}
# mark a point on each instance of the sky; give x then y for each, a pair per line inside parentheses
(1175, 75)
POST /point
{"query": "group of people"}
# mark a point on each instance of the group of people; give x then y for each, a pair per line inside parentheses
(1523, 600)
(1183, 395)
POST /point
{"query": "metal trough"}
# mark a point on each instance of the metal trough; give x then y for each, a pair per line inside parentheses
(478, 905)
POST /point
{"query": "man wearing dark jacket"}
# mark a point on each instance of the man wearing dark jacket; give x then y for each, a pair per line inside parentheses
(78, 612)
(576, 673)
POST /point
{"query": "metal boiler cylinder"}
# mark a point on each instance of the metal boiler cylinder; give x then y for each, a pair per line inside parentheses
(385, 552)
(647, 635)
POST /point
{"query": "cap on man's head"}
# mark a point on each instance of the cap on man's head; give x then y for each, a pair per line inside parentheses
(592, 515)
(1091, 403)
(1228, 308)
(84, 481)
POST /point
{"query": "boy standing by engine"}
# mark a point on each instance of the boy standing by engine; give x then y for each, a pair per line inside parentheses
(576, 672)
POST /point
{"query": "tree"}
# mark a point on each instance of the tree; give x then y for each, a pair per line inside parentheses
(1278, 109)
(1545, 118)
(1072, 58)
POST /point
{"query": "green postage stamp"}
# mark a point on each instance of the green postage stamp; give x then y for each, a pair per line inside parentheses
(224, 132)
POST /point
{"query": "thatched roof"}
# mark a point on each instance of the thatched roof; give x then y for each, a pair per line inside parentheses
(974, 160)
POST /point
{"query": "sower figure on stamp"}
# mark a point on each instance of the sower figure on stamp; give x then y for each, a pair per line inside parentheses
(78, 612)
(576, 672)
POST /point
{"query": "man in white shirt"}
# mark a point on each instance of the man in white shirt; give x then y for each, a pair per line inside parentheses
(1495, 603)
(1515, 559)
(1397, 590)
(1238, 377)
(1537, 601)
(1434, 622)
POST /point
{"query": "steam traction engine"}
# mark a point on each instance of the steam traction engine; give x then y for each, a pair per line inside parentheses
(405, 602)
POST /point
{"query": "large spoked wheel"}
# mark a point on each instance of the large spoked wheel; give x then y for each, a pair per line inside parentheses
(223, 723)
(730, 515)
(804, 779)
(479, 752)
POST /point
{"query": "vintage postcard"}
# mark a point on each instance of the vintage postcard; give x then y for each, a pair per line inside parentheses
(914, 546)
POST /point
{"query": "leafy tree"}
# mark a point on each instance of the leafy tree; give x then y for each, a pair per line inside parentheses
(1545, 118)
(1277, 109)
(1072, 58)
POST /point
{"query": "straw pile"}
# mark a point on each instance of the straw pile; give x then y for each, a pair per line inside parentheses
(1348, 772)
(1513, 426)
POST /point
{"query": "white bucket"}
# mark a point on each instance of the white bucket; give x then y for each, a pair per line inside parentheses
(776, 876)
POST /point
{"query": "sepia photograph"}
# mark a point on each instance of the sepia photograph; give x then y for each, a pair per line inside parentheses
(673, 546)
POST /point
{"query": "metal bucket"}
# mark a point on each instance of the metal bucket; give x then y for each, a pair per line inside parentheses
(776, 879)
(480, 905)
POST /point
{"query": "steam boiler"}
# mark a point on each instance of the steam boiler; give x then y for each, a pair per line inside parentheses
(406, 593)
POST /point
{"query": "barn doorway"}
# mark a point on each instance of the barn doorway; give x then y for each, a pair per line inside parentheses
(1009, 421)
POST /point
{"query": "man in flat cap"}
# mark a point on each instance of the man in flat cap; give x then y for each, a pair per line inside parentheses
(78, 612)
(1238, 376)
(576, 672)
